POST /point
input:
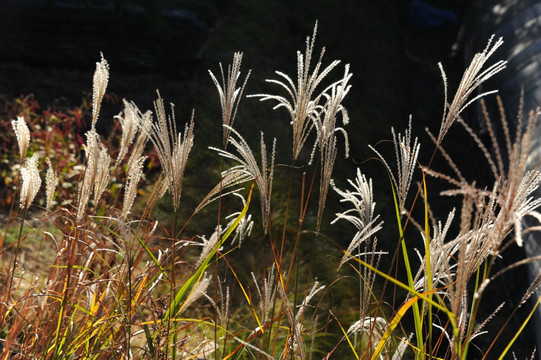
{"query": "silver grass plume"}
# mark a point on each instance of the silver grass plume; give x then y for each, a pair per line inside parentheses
(222, 310)
(363, 244)
(473, 77)
(325, 121)
(134, 175)
(198, 291)
(92, 155)
(23, 136)
(406, 159)
(302, 102)
(158, 191)
(307, 298)
(172, 148)
(248, 165)
(51, 182)
(372, 327)
(267, 292)
(31, 182)
(229, 93)
(232, 178)
(298, 341)
(326, 129)
(130, 121)
(361, 214)
(245, 226)
(101, 78)
(102, 173)
(208, 245)
(441, 256)
(140, 143)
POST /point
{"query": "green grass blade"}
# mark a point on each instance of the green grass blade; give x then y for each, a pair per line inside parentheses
(520, 329)
(196, 277)
(147, 332)
(416, 313)
(441, 307)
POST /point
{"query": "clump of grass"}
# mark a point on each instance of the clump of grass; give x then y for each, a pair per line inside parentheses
(119, 285)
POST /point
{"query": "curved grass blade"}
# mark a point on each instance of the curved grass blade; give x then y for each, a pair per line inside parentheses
(400, 313)
(520, 329)
(196, 277)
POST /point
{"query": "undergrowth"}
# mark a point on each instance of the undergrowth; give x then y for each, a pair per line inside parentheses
(113, 283)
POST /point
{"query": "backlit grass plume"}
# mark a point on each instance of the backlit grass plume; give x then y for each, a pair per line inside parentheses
(406, 160)
(302, 100)
(130, 121)
(31, 182)
(173, 148)
(248, 166)
(93, 152)
(325, 123)
(229, 93)
(473, 77)
(101, 79)
(51, 182)
(23, 136)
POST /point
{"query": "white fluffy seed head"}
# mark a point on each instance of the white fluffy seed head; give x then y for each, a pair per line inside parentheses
(101, 79)
(23, 136)
(31, 181)
(51, 181)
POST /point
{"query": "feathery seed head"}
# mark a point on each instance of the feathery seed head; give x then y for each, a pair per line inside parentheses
(228, 93)
(244, 228)
(130, 122)
(208, 245)
(134, 175)
(473, 77)
(248, 165)
(51, 181)
(31, 181)
(406, 160)
(101, 78)
(303, 101)
(102, 173)
(92, 155)
(361, 215)
(23, 136)
(172, 148)
(325, 123)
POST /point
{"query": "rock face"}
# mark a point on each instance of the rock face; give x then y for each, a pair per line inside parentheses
(519, 23)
